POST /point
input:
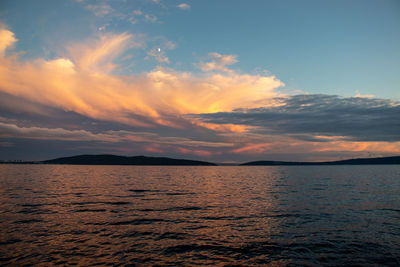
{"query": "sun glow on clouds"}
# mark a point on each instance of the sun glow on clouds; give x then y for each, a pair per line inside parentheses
(84, 83)
(97, 55)
(7, 40)
(218, 62)
(294, 146)
(236, 113)
(183, 6)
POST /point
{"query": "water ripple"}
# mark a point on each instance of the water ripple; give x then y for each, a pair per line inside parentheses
(191, 216)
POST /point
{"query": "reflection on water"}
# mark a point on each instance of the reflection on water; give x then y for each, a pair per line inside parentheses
(307, 215)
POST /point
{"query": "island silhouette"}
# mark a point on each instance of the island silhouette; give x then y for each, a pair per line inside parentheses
(123, 160)
(358, 161)
(108, 159)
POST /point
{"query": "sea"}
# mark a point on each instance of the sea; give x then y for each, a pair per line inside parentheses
(189, 216)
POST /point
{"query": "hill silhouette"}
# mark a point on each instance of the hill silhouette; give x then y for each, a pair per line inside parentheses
(108, 159)
(123, 160)
(360, 161)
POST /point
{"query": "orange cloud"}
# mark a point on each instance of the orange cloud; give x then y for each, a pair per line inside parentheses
(376, 147)
(227, 127)
(282, 144)
(218, 62)
(97, 54)
(7, 40)
(154, 148)
(84, 83)
(183, 6)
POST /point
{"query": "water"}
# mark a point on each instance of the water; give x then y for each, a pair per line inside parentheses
(224, 216)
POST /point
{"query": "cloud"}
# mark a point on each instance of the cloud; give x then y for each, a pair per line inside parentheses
(158, 55)
(285, 148)
(83, 82)
(7, 40)
(218, 62)
(231, 114)
(198, 152)
(6, 144)
(8, 130)
(191, 143)
(169, 45)
(138, 15)
(183, 6)
(100, 10)
(150, 18)
(358, 94)
(119, 11)
(150, 142)
(323, 118)
(98, 54)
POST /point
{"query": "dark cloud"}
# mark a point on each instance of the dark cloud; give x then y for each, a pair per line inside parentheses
(37, 131)
(306, 117)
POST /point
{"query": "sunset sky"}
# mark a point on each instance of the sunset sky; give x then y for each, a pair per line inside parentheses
(221, 81)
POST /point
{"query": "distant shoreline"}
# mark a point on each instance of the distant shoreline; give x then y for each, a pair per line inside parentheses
(357, 161)
(114, 160)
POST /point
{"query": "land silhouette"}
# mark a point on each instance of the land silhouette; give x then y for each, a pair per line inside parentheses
(107, 159)
(123, 160)
(359, 161)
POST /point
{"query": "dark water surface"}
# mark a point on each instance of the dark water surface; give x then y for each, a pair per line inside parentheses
(135, 215)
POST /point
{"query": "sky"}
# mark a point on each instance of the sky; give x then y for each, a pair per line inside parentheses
(220, 81)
